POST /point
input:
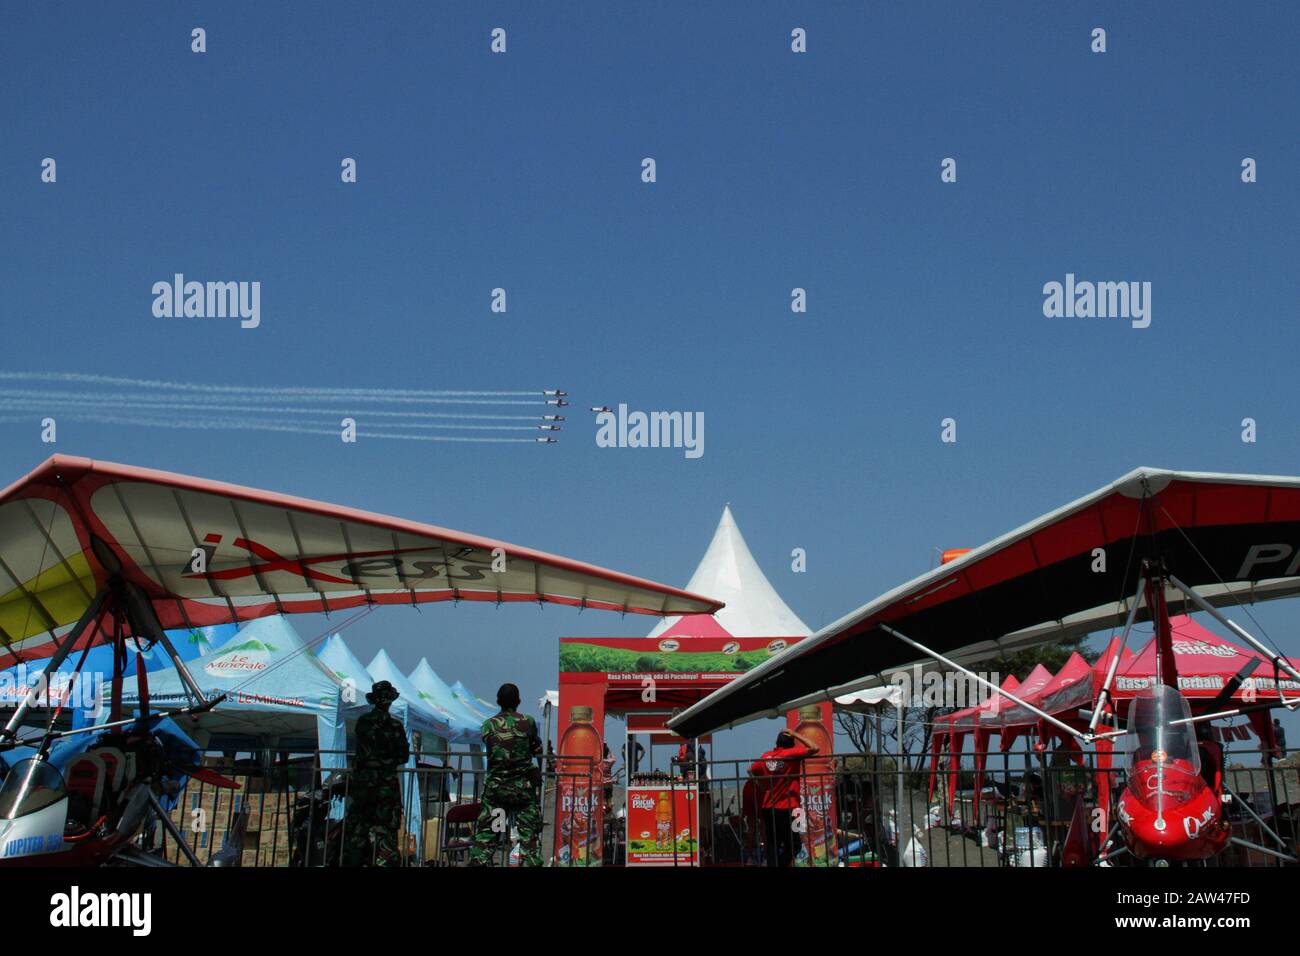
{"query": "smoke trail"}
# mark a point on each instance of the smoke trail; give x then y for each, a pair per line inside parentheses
(37, 400)
(534, 403)
(254, 425)
(73, 413)
(298, 391)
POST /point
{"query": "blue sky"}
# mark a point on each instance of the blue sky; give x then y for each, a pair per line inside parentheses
(775, 170)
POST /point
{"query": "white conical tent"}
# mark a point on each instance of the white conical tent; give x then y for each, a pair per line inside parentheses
(729, 573)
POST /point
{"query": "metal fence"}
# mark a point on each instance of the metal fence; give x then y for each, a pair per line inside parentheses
(858, 810)
(880, 814)
(291, 811)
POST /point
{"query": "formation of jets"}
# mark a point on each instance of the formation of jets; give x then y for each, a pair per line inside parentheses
(554, 396)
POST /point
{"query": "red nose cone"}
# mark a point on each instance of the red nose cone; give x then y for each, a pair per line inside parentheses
(1175, 826)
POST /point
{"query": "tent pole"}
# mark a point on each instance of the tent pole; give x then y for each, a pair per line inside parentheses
(88, 617)
(898, 770)
(1103, 698)
(1279, 662)
(1086, 738)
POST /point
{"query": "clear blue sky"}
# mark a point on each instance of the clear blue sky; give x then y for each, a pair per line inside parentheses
(775, 170)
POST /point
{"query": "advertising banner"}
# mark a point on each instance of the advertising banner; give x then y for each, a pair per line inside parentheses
(662, 826)
(627, 675)
(668, 660)
(580, 784)
(817, 787)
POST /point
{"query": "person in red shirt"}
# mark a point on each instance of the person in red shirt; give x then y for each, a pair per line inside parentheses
(776, 781)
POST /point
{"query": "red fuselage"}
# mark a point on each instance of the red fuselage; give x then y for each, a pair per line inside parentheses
(1168, 812)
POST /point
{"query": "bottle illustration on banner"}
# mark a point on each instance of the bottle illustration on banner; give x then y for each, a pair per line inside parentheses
(580, 787)
(817, 789)
(664, 822)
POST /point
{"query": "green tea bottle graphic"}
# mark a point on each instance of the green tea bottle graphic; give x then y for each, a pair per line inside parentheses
(664, 837)
(579, 787)
(817, 789)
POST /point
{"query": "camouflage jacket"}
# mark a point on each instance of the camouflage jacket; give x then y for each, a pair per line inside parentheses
(511, 741)
(381, 743)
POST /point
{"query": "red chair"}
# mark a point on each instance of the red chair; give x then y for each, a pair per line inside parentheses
(458, 828)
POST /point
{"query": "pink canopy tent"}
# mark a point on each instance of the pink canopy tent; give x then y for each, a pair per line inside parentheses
(1006, 721)
(994, 719)
(1076, 686)
(954, 727)
(1207, 665)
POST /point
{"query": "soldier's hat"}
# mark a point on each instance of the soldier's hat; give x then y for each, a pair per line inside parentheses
(382, 693)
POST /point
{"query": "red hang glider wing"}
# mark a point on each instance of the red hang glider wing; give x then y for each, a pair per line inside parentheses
(1233, 537)
(67, 527)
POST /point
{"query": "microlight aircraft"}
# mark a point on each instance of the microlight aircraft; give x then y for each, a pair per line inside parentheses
(93, 552)
(1152, 543)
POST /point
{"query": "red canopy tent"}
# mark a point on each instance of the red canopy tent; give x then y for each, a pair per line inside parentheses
(954, 727)
(1075, 687)
(1008, 725)
(1208, 665)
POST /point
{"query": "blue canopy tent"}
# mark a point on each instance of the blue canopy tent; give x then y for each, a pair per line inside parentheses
(85, 701)
(424, 728)
(434, 691)
(357, 680)
(278, 696)
(434, 688)
(455, 729)
(475, 704)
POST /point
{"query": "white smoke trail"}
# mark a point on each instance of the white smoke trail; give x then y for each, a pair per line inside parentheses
(55, 409)
(297, 391)
(252, 425)
(37, 400)
(534, 403)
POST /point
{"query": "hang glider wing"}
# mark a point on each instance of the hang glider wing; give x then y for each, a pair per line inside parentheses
(205, 552)
(1235, 538)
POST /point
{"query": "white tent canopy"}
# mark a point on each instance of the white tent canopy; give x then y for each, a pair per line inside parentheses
(871, 698)
(729, 573)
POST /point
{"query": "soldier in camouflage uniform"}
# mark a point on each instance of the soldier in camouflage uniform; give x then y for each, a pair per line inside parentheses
(513, 781)
(376, 811)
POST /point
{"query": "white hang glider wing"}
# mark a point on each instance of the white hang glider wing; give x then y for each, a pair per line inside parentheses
(204, 552)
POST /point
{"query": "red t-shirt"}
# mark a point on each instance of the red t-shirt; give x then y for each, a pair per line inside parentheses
(776, 775)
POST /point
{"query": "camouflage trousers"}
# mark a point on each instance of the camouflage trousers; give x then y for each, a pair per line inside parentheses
(372, 823)
(498, 802)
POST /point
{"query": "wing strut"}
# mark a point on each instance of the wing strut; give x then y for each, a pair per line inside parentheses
(1277, 661)
(144, 623)
(114, 596)
(1104, 697)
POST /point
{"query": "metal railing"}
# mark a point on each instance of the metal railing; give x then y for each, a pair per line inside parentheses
(860, 810)
(296, 810)
(864, 810)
